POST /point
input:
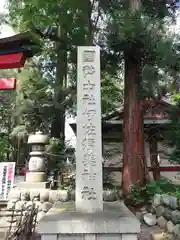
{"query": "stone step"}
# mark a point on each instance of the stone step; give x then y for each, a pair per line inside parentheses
(9, 214)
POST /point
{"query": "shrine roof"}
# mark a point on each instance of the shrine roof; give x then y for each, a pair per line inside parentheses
(155, 112)
(15, 41)
(153, 109)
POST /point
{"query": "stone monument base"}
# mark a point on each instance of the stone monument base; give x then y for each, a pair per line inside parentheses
(33, 185)
(116, 222)
(35, 177)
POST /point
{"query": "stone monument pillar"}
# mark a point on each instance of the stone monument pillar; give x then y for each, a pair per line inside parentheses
(36, 176)
(89, 218)
(89, 189)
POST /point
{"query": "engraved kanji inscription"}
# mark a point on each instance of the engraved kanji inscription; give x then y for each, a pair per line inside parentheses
(89, 158)
(88, 193)
(88, 173)
(89, 113)
(89, 176)
(89, 56)
(88, 142)
(88, 86)
(89, 190)
(89, 129)
(88, 161)
(88, 70)
(89, 99)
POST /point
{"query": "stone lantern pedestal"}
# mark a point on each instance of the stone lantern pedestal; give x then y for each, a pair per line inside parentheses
(36, 176)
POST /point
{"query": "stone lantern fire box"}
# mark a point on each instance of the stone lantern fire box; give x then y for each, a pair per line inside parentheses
(36, 176)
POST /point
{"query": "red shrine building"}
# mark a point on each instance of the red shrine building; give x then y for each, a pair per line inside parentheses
(14, 51)
(156, 123)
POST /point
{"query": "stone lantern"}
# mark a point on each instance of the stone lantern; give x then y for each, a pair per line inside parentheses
(36, 174)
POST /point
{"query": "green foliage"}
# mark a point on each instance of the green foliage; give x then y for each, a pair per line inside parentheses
(176, 193)
(5, 148)
(111, 93)
(144, 194)
(55, 151)
(34, 100)
(143, 35)
(25, 110)
(173, 132)
(72, 17)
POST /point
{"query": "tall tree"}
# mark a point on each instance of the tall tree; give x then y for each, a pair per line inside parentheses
(137, 36)
(134, 157)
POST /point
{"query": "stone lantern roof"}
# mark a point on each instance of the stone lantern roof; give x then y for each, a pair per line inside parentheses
(38, 138)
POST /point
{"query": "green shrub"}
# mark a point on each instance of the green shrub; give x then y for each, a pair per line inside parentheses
(143, 194)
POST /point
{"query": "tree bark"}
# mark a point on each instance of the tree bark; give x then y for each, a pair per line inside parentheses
(89, 24)
(134, 166)
(58, 123)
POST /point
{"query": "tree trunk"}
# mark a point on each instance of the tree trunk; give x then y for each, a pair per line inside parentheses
(134, 167)
(90, 33)
(153, 148)
(58, 123)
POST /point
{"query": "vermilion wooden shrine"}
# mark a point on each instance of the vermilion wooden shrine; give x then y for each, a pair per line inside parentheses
(14, 51)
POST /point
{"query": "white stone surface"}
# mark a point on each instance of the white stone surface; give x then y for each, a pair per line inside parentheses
(89, 190)
(49, 237)
(92, 237)
(129, 237)
(115, 219)
(36, 163)
(149, 219)
(38, 137)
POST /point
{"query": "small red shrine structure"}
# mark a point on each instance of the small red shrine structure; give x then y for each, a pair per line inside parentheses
(14, 51)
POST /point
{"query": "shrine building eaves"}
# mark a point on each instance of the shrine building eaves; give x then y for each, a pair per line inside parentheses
(22, 42)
